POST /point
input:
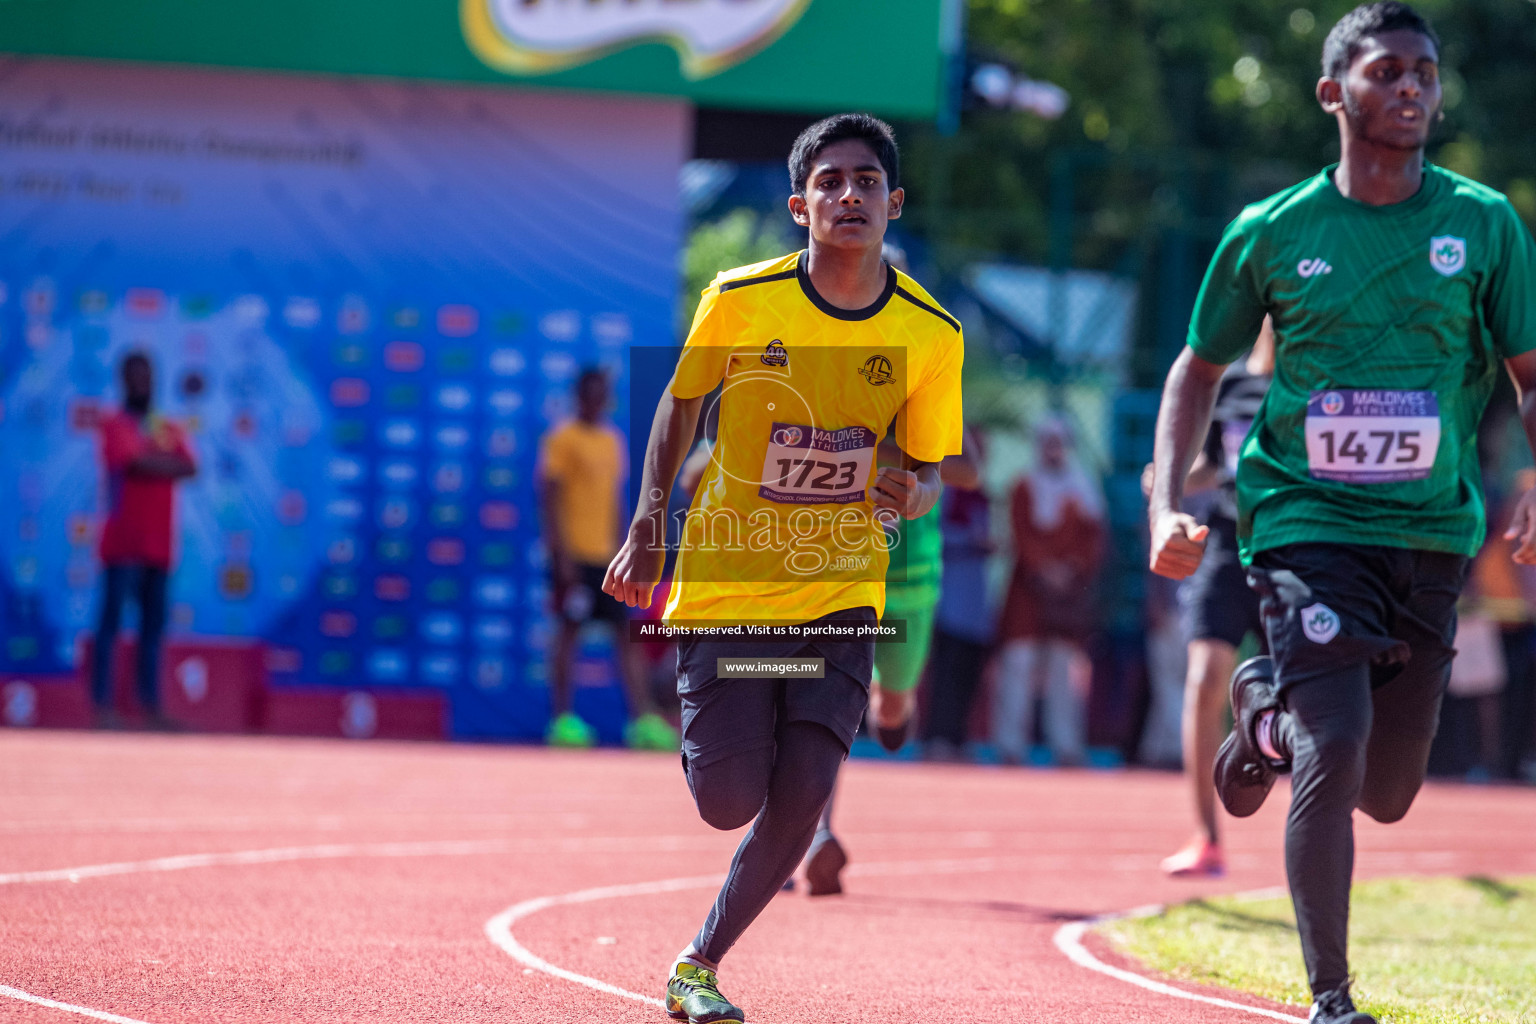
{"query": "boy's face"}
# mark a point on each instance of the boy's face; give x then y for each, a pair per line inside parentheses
(847, 201)
(1391, 94)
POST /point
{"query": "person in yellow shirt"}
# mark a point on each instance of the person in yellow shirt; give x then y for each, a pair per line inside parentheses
(581, 468)
(813, 354)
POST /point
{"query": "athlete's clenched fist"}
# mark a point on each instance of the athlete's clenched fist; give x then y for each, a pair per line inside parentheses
(901, 491)
(1178, 544)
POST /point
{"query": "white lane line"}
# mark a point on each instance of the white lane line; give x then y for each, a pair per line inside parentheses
(54, 1004)
(338, 851)
(1069, 939)
(499, 928)
(593, 844)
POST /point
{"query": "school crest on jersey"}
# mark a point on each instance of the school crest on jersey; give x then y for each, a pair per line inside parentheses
(1447, 254)
(877, 370)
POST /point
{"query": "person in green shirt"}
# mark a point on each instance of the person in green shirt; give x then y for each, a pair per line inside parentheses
(1397, 290)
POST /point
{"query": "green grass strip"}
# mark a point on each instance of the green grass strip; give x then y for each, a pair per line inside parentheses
(1424, 950)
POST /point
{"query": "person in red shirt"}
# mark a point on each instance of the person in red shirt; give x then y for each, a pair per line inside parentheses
(144, 455)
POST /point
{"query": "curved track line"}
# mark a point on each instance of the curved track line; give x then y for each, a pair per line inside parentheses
(499, 928)
(53, 1004)
(1069, 939)
(329, 851)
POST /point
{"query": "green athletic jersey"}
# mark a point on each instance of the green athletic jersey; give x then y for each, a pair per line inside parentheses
(1390, 325)
(922, 540)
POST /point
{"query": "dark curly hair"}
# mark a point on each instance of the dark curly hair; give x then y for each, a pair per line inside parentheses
(1343, 42)
(824, 133)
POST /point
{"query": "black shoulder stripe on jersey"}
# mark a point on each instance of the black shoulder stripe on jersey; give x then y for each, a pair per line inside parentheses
(935, 310)
(783, 275)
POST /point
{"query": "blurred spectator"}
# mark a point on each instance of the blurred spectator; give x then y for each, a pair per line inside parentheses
(1218, 609)
(1508, 593)
(1477, 677)
(144, 455)
(963, 619)
(581, 470)
(1048, 615)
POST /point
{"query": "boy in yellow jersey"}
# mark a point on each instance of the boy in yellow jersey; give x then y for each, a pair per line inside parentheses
(817, 352)
(581, 469)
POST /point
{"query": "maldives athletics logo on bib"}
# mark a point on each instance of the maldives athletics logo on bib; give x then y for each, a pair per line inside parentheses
(535, 37)
(1447, 254)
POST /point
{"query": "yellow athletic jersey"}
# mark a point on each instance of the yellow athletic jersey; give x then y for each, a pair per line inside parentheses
(782, 528)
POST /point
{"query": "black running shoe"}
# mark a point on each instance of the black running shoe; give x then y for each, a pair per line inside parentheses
(1244, 775)
(894, 738)
(1335, 1007)
(824, 867)
(693, 994)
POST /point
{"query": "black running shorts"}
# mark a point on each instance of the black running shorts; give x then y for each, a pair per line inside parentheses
(723, 716)
(1216, 602)
(586, 601)
(1332, 605)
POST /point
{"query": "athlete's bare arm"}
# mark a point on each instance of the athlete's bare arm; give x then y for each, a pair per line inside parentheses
(1522, 526)
(634, 572)
(1178, 541)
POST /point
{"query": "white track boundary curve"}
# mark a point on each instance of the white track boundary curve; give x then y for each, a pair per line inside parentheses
(282, 854)
(54, 1004)
(1068, 938)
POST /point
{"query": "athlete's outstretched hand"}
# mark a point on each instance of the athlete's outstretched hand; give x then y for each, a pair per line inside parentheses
(1522, 529)
(1178, 543)
(634, 572)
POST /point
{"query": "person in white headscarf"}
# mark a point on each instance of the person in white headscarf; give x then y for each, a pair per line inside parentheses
(1048, 615)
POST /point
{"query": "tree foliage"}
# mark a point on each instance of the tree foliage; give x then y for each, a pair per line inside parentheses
(739, 238)
(1213, 96)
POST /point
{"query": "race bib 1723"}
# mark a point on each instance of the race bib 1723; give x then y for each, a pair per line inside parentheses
(1372, 436)
(810, 466)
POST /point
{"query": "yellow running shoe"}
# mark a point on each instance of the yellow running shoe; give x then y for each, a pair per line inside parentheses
(693, 995)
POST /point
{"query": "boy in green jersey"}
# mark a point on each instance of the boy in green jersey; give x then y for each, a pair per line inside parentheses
(1397, 289)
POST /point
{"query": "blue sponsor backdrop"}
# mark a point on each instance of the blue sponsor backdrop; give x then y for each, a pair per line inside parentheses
(367, 300)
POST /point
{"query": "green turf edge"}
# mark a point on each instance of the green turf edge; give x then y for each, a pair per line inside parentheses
(1424, 950)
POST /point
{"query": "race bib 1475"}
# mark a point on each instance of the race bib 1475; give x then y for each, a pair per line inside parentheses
(1372, 436)
(810, 466)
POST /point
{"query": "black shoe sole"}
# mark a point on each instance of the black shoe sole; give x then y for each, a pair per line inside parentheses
(1243, 776)
(681, 1014)
(823, 868)
(893, 739)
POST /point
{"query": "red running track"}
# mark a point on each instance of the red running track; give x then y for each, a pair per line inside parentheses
(305, 882)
